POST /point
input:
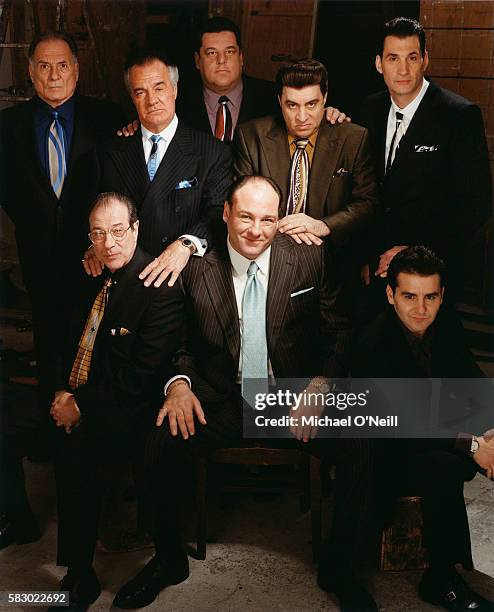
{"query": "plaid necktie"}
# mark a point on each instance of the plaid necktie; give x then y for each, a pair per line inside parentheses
(82, 363)
(395, 141)
(56, 155)
(299, 178)
(254, 343)
(153, 156)
(223, 126)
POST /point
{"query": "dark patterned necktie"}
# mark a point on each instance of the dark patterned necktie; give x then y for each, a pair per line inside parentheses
(299, 178)
(223, 126)
(82, 362)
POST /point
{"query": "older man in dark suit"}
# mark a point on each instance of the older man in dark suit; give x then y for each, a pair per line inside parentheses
(48, 176)
(292, 327)
(121, 342)
(431, 159)
(177, 176)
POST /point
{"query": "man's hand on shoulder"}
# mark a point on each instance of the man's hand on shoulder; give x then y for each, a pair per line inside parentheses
(334, 116)
(170, 263)
(303, 228)
(129, 130)
(180, 406)
(92, 265)
(385, 260)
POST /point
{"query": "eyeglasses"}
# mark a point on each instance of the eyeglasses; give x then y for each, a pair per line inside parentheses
(117, 234)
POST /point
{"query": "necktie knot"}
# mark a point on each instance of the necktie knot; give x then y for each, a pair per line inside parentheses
(155, 138)
(253, 268)
(54, 115)
(223, 100)
(301, 143)
(399, 116)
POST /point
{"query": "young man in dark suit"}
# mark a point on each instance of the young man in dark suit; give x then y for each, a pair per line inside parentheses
(430, 155)
(416, 338)
(300, 331)
(177, 176)
(48, 175)
(121, 341)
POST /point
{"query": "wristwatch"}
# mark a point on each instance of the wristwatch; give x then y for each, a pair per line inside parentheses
(475, 445)
(187, 242)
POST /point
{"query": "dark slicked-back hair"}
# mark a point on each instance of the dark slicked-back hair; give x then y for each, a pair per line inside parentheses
(417, 260)
(214, 25)
(52, 35)
(302, 73)
(106, 198)
(145, 55)
(250, 178)
(402, 27)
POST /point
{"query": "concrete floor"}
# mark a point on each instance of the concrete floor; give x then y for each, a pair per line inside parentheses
(260, 563)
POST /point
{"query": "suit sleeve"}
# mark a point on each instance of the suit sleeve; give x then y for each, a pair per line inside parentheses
(242, 161)
(362, 201)
(214, 194)
(118, 395)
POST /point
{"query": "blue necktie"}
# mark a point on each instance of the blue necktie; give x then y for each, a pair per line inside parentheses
(254, 343)
(153, 157)
(56, 155)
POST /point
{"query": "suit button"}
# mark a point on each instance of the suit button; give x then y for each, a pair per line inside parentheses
(164, 239)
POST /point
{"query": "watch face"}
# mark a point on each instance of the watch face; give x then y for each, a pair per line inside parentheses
(475, 446)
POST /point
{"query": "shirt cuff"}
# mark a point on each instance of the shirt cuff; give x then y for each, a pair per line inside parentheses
(200, 244)
(464, 442)
(173, 379)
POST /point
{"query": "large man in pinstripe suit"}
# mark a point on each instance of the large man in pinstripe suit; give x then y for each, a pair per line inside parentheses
(177, 176)
(306, 335)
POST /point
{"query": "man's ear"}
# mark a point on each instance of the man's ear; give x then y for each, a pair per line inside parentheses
(324, 99)
(379, 66)
(442, 294)
(136, 228)
(279, 100)
(389, 294)
(196, 60)
(226, 211)
(426, 60)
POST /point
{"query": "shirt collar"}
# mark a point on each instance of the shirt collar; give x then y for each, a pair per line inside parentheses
(167, 134)
(234, 95)
(240, 264)
(312, 138)
(409, 110)
(44, 111)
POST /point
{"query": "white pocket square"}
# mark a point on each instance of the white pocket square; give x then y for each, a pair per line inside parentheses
(295, 293)
(426, 148)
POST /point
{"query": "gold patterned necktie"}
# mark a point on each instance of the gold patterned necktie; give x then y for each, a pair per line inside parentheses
(299, 178)
(82, 363)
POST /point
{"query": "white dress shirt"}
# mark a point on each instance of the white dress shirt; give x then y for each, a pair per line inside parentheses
(408, 112)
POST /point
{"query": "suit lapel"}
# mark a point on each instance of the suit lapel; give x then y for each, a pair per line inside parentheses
(381, 133)
(129, 161)
(277, 155)
(323, 167)
(219, 284)
(282, 269)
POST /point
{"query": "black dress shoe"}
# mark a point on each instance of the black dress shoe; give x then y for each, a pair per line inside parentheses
(452, 593)
(83, 590)
(352, 596)
(155, 576)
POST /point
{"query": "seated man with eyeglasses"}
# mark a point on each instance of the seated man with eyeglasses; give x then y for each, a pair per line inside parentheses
(120, 344)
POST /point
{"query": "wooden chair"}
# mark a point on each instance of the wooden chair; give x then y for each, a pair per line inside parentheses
(261, 456)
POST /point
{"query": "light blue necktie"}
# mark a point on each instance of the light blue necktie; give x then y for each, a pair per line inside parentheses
(254, 343)
(56, 155)
(153, 157)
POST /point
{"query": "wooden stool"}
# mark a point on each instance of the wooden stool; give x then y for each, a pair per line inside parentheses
(259, 455)
(401, 543)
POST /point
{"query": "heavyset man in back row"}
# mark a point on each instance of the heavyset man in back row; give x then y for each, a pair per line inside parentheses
(314, 183)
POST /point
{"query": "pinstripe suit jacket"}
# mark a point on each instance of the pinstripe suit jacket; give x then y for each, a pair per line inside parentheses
(165, 210)
(307, 334)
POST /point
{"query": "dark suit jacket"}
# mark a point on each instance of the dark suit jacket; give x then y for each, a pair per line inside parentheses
(258, 99)
(342, 190)
(51, 234)
(127, 371)
(432, 197)
(165, 210)
(307, 334)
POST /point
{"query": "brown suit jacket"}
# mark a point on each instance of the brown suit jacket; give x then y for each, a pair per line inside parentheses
(307, 331)
(342, 188)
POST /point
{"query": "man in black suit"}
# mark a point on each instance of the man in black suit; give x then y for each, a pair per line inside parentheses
(223, 96)
(117, 357)
(431, 158)
(48, 176)
(303, 334)
(177, 176)
(417, 339)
